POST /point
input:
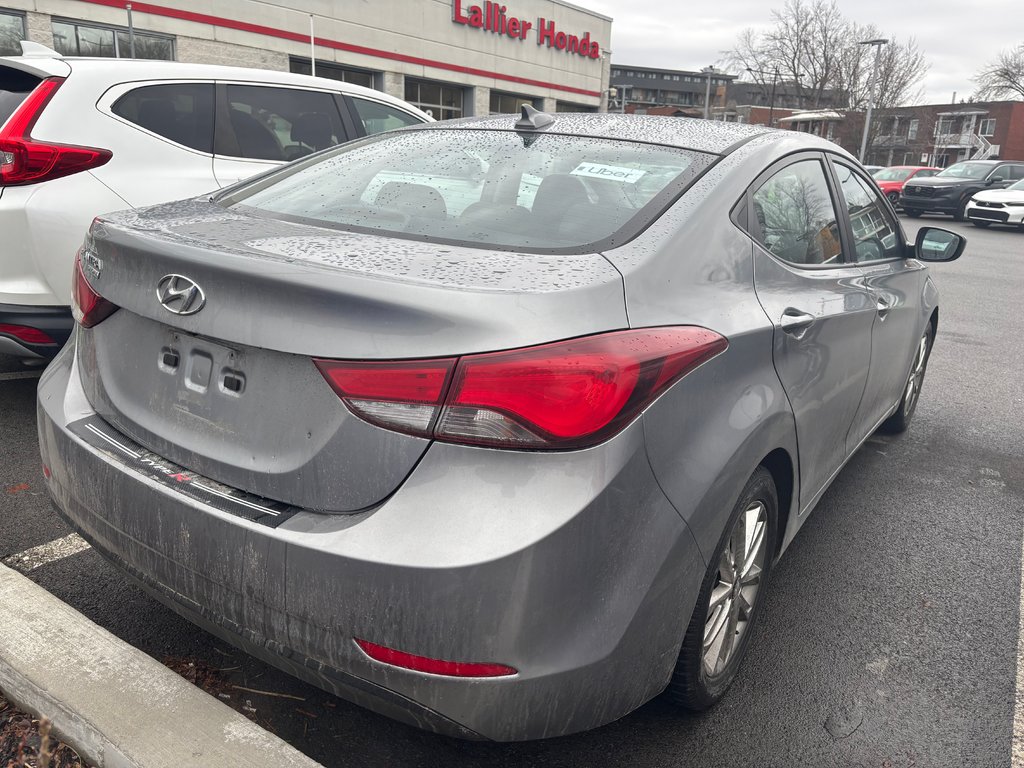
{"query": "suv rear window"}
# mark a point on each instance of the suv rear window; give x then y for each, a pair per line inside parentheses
(181, 112)
(15, 86)
(490, 189)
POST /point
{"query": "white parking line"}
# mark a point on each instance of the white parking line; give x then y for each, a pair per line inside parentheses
(12, 375)
(50, 552)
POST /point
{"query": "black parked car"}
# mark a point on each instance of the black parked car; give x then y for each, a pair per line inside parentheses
(951, 190)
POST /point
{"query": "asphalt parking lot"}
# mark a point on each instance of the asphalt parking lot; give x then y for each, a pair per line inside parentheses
(890, 634)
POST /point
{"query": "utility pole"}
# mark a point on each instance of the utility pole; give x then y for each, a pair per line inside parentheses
(709, 70)
(878, 43)
(771, 99)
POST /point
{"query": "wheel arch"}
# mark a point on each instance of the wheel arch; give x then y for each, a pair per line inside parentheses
(783, 471)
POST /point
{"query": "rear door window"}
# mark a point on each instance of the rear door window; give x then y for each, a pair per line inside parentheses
(281, 124)
(377, 117)
(795, 218)
(15, 86)
(180, 112)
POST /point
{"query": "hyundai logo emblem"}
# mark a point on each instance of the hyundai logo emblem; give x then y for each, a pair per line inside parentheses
(180, 295)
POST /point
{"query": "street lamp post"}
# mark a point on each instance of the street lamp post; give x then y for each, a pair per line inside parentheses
(878, 43)
(771, 99)
(709, 70)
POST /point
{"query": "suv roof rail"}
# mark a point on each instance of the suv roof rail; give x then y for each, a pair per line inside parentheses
(32, 50)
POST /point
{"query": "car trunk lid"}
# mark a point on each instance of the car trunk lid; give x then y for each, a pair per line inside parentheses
(231, 391)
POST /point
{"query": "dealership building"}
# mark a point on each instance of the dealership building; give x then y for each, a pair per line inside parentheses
(454, 58)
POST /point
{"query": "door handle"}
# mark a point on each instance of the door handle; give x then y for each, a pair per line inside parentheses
(883, 306)
(795, 322)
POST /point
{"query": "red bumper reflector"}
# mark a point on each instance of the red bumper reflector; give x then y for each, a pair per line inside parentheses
(432, 666)
(26, 334)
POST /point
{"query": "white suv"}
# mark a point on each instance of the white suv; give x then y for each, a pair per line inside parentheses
(82, 137)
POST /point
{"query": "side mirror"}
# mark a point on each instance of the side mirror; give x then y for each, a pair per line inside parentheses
(935, 244)
(995, 180)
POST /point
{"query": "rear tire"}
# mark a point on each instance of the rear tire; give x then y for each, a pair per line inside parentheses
(900, 421)
(912, 213)
(730, 599)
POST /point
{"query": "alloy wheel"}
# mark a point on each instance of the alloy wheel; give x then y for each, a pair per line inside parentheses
(916, 378)
(733, 597)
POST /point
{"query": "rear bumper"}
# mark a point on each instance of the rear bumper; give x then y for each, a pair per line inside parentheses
(574, 569)
(55, 322)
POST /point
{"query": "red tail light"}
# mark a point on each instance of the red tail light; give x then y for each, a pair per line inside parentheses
(26, 334)
(23, 160)
(433, 666)
(570, 394)
(87, 306)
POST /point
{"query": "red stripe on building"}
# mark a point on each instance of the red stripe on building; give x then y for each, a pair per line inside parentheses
(259, 29)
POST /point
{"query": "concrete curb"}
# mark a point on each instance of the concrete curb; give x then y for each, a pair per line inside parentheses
(118, 707)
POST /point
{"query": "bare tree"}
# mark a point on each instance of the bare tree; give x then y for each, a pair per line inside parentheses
(814, 46)
(1003, 77)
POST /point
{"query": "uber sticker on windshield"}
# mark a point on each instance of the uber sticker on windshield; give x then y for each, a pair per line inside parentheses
(612, 172)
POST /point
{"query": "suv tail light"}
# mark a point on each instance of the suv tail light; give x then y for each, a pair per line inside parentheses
(26, 333)
(87, 306)
(569, 394)
(23, 160)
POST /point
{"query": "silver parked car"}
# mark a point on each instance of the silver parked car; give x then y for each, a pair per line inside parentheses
(494, 426)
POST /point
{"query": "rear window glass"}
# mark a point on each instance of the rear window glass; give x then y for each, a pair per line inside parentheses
(15, 86)
(181, 112)
(492, 189)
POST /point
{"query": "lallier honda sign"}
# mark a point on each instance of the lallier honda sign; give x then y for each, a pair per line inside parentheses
(494, 18)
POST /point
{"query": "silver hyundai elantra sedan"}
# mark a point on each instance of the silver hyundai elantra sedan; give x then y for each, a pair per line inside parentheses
(493, 426)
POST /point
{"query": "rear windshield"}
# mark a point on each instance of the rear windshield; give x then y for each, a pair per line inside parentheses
(490, 189)
(15, 86)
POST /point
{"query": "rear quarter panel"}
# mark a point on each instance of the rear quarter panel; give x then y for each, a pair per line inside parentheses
(694, 266)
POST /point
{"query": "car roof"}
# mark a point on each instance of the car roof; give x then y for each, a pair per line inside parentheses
(713, 136)
(125, 70)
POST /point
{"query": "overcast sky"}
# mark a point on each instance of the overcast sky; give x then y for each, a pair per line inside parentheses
(957, 37)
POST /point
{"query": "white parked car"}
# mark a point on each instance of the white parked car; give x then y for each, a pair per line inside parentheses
(998, 206)
(81, 137)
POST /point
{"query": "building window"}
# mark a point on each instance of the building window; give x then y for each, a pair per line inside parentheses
(912, 129)
(71, 38)
(944, 126)
(363, 77)
(440, 101)
(988, 127)
(12, 31)
(675, 78)
(616, 73)
(504, 103)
